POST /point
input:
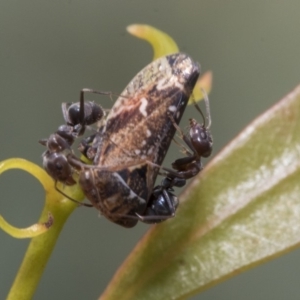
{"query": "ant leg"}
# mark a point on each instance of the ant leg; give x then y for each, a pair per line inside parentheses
(182, 147)
(183, 136)
(70, 198)
(85, 147)
(92, 91)
(187, 171)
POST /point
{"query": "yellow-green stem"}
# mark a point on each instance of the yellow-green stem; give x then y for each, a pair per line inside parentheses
(37, 255)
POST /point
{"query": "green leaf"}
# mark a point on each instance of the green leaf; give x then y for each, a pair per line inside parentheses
(242, 210)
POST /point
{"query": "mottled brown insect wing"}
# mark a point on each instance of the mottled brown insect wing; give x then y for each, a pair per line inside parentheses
(138, 123)
(138, 130)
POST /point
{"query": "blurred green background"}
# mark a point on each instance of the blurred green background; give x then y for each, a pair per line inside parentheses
(51, 49)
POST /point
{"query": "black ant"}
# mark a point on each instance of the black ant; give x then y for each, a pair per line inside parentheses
(163, 203)
(77, 116)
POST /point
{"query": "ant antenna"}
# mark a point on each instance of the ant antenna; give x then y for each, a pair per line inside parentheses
(81, 108)
(70, 198)
(207, 107)
(200, 111)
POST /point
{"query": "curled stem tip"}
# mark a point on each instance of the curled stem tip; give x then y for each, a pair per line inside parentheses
(29, 232)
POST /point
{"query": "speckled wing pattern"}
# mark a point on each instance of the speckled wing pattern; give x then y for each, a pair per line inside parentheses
(138, 129)
(138, 121)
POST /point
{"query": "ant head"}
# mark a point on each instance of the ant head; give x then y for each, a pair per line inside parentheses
(57, 166)
(200, 135)
(200, 138)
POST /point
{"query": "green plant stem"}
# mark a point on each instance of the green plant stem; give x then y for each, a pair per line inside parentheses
(38, 252)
